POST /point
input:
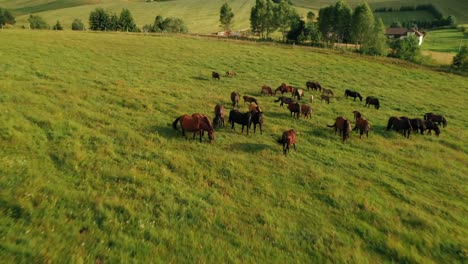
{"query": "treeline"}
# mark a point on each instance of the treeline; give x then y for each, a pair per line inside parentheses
(169, 24)
(438, 21)
(6, 17)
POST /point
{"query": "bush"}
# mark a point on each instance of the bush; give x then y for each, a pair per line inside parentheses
(6, 17)
(57, 26)
(460, 61)
(37, 22)
(406, 49)
(77, 24)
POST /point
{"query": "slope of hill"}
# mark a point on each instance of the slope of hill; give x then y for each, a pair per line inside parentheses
(92, 171)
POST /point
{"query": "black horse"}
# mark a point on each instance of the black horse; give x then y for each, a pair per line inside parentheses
(400, 124)
(417, 124)
(285, 100)
(436, 118)
(245, 119)
(371, 100)
(353, 94)
(313, 85)
(429, 125)
(257, 119)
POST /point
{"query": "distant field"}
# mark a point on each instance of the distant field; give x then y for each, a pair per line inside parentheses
(459, 8)
(444, 40)
(405, 16)
(91, 170)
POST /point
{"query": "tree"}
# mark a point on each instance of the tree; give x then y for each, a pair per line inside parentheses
(310, 16)
(174, 25)
(460, 61)
(158, 25)
(406, 49)
(326, 22)
(37, 22)
(77, 24)
(113, 22)
(57, 26)
(126, 22)
(342, 14)
(396, 24)
(451, 20)
(362, 24)
(226, 17)
(6, 17)
(285, 15)
(270, 24)
(262, 20)
(377, 43)
(99, 20)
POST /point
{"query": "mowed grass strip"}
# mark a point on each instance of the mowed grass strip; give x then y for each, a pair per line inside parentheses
(91, 169)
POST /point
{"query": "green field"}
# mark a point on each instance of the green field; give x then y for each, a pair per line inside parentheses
(444, 40)
(92, 171)
(404, 16)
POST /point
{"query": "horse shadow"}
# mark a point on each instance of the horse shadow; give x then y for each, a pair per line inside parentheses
(250, 147)
(163, 130)
(200, 78)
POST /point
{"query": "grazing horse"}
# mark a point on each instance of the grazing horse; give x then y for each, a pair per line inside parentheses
(219, 112)
(398, 124)
(195, 123)
(363, 125)
(313, 85)
(244, 119)
(235, 97)
(353, 94)
(429, 125)
(253, 107)
(283, 88)
(231, 74)
(343, 126)
(295, 109)
(356, 114)
(299, 93)
(285, 100)
(266, 90)
(436, 118)
(416, 123)
(215, 75)
(248, 99)
(257, 119)
(371, 100)
(306, 110)
(325, 97)
(287, 139)
(327, 91)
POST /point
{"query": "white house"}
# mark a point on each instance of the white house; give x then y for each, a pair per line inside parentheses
(399, 33)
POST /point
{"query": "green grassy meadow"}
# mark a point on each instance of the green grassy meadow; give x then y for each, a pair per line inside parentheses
(91, 169)
(444, 40)
(404, 16)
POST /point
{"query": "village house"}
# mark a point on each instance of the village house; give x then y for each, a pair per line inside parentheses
(399, 33)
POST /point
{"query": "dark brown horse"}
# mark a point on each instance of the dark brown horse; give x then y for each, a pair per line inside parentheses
(231, 74)
(215, 75)
(325, 97)
(257, 119)
(363, 125)
(248, 99)
(219, 112)
(283, 88)
(235, 97)
(436, 118)
(328, 91)
(306, 110)
(356, 114)
(429, 126)
(196, 123)
(299, 93)
(343, 126)
(285, 100)
(313, 85)
(353, 94)
(243, 119)
(400, 124)
(287, 139)
(266, 90)
(371, 100)
(295, 109)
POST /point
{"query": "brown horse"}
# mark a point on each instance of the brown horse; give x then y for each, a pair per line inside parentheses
(196, 123)
(287, 139)
(215, 75)
(283, 88)
(299, 93)
(219, 112)
(285, 100)
(363, 125)
(231, 74)
(266, 90)
(295, 109)
(436, 119)
(235, 97)
(343, 125)
(306, 110)
(356, 114)
(248, 99)
(313, 85)
(253, 107)
(328, 91)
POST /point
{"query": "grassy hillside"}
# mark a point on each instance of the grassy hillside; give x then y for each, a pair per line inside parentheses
(444, 40)
(92, 171)
(404, 16)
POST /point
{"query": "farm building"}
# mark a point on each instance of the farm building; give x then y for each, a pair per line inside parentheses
(399, 33)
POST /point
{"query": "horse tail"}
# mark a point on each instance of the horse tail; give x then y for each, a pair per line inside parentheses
(390, 123)
(279, 99)
(174, 124)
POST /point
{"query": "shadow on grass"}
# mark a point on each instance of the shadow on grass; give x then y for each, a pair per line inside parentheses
(200, 78)
(250, 147)
(165, 130)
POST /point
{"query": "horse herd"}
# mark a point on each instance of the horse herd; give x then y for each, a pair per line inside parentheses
(198, 123)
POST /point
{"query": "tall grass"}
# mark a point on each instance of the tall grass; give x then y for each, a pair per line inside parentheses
(91, 169)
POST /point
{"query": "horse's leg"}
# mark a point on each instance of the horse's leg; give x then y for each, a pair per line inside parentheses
(260, 124)
(201, 135)
(294, 145)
